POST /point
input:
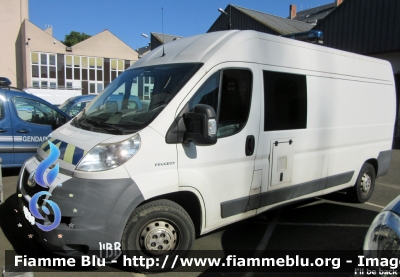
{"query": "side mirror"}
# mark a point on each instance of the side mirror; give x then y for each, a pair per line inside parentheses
(58, 122)
(201, 125)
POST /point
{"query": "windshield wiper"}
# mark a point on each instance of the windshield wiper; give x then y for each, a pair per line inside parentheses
(121, 130)
(83, 122)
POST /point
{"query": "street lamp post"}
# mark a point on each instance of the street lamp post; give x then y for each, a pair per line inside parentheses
(229, 17)
(146, 36)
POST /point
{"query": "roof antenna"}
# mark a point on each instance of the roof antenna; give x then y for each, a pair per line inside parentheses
(162, 29)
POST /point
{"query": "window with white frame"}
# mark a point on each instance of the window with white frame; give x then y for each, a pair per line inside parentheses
(44, 70)
(117, 67)
(80, 68)
(95, 87)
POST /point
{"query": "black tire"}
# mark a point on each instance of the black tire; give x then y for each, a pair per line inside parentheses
(157, 229)
(364, 186)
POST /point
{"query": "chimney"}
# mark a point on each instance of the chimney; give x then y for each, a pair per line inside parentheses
(338, 2)
(292, 11)
(49, 30)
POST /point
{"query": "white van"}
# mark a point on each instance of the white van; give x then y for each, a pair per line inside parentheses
(237, 123)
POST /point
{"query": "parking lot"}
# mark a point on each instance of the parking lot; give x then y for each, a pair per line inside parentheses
(327, 223)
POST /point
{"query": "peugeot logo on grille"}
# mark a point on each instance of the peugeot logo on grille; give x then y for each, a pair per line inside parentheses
(31, 179)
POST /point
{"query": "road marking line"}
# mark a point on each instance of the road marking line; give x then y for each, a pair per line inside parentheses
(347, 204)
(138, 274)
(268, 233)
(264, 241)
(323, 224)
(375, 205)
(388, 185)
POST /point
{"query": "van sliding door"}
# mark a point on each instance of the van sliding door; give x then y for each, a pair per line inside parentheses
(293, 164)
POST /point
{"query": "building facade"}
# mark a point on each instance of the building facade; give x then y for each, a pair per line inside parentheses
(12, 14)
(312, 15)
(157, 39)
(35, 59)
(240, 18)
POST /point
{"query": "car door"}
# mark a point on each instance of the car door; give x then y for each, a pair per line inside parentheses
(32, 122)
(6, 136)
(223, 172)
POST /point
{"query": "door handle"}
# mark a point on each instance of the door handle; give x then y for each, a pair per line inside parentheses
(2, 130)
(23, 131)
(250, 144)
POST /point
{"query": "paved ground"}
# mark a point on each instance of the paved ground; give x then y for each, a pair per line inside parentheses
(328, 223)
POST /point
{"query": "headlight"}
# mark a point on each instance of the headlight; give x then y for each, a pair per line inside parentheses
(108, 156)
(383, 236)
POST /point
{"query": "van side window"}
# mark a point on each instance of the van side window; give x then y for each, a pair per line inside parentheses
(285, 101)
(232, 106)
(235, 101)
(207, 94)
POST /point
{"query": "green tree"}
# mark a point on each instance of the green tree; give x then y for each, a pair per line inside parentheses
(74, 38)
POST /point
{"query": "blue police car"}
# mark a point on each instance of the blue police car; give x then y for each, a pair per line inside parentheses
(25, 122)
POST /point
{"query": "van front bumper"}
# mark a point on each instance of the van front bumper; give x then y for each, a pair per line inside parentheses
(93, 212)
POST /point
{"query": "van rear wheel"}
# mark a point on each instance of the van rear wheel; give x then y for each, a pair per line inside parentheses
(157, 229)
(364, 186)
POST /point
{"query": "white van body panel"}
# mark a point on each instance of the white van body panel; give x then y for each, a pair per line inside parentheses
(252, 47)
(350, 116)
(155, 169)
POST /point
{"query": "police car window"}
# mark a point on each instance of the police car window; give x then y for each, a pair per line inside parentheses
(112, 106)
(77, 108)
(35, 112)
(1, 110)
(132, 105)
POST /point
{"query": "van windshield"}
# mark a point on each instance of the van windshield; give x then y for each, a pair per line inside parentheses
(135, 98)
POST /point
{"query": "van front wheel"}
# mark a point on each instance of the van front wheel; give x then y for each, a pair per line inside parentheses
(365, 184)
(157, 229)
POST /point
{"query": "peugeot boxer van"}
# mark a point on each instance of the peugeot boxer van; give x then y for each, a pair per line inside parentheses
(233, 124)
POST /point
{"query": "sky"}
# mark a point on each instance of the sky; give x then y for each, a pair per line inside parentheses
(128, 19)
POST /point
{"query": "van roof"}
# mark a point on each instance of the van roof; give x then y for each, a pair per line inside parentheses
(256, 47)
